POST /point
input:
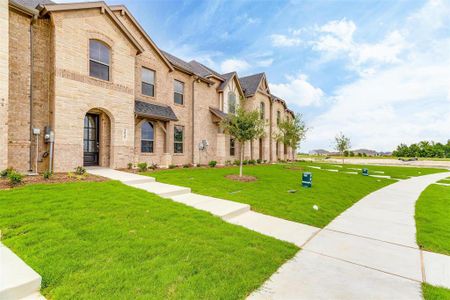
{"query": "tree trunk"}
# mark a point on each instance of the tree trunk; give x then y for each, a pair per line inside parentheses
(242, 158)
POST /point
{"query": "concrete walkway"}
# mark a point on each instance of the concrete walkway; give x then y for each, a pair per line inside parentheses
(368, 252)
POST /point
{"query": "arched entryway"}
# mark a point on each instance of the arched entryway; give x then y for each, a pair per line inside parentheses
(97, 138)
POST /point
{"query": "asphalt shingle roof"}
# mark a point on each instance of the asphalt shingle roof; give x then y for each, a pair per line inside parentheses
(218, 112)
(203, 70)
(150, 110)
(33, 3)
(250, 83)
(227, 78)
(178, 62)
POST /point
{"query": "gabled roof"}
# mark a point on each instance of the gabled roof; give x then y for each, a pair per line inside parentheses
(124, 10)
(251, 83)
(158, 112)
(278, 99)
(229, 77)
(204, 71)
(183, 66)
(24, 8)
(47, 8)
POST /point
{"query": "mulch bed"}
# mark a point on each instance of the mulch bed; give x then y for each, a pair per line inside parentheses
(244, 178)
(55, 178)
(295, 168)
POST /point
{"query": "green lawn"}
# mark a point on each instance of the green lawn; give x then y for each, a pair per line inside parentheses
(394, 172)
(445, 180)
(432, 219)
(109, 241)
(332, 192)
(435, 293)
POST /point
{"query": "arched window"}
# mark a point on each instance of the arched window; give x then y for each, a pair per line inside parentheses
(147, 137)
(231, 103)
(262, 110)
(278, 117)
(99, 59)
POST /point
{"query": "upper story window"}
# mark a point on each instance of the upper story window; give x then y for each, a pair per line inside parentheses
(99, 60)
(278, 117)
(178, 92)
(147, 137)
(178, 138)
(262, 110)
(148, 82)
(231, 103)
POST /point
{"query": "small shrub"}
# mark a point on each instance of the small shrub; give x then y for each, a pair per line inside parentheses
(237, 162)
(245, 162)
(80, 170)
(70, 175)
(130, 166)
(142, 166)
(47, 174)
(15, 178)
(259, 160)
(265, 161)
(186, 166)
(228, 163)
(153, 166)
(172, 166)
(212, 163)
(6, 172)
(252, 162)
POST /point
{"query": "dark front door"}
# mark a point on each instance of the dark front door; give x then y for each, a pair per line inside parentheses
(90, 140)
(260, 148)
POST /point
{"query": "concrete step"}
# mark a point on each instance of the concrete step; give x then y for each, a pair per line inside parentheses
(17, 279)
(281, 229)
(125, 177)
(222, 208)
(162, 189)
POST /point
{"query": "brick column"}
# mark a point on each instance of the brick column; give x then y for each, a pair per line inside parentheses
(220, 148)
(4, 83)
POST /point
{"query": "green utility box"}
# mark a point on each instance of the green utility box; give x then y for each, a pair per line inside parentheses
(365, 172)
(307, 179)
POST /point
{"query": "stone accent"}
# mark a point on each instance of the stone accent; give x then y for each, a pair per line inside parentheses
(4, 82)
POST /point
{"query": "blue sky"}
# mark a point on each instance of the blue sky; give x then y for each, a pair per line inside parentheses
(379, 71)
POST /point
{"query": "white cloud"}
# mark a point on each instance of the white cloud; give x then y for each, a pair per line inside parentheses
(298, 91)
(280, 40)
(233, 64)
(265, 62)
(407, 98)
(336, 40)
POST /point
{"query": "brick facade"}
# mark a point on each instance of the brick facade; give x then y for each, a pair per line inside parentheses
(49, 64)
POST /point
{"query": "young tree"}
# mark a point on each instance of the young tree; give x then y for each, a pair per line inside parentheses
(342, 144)
(291, 132)
(243, 126)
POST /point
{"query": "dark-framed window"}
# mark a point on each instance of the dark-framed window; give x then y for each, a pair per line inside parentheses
(285, 149)
(178, 92)
(231, 103)
(148, 82)
(232, 146)
(278, 117)
(262, 110)
(99, 60)
(178, 138)
(147, 137)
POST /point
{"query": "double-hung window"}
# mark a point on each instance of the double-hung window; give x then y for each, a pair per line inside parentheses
(99, 60)
(148, 82)
(147, 137)
(178, 138)
(178, 92)
(232, 146)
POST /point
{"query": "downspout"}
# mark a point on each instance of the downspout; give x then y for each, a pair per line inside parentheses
(193, 120)
(31, 93)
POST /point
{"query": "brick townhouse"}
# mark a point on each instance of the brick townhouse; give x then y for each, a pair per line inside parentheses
(84, 84)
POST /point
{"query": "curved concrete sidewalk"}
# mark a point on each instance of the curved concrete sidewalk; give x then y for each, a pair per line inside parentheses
(368, 252)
